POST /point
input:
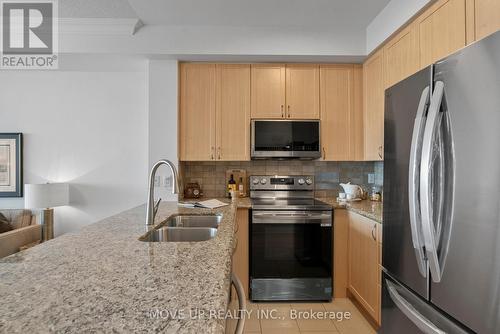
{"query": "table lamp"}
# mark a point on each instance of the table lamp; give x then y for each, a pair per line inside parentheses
(46, 197)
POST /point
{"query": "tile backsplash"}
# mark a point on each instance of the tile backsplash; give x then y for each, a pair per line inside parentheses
(328, 175)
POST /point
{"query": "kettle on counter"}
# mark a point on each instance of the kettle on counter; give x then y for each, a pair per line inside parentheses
(352, 189)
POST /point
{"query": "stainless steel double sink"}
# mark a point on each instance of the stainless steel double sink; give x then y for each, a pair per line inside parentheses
(185, 228)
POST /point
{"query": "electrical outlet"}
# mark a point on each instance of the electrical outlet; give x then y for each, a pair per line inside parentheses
(167, 181)
(371, 178)
(157, 181)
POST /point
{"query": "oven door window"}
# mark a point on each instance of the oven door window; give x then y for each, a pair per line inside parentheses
(291, 251)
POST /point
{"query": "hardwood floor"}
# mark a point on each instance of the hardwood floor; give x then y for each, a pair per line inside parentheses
(283, 322)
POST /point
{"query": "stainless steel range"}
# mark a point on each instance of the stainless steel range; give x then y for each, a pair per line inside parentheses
(290, 240)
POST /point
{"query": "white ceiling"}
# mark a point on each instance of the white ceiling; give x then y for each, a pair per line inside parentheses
(357, 13)
(96, 9)
(220, 27)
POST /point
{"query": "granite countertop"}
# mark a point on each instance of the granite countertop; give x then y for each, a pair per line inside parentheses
(244, 203)
(103, 278)
(366, 208)
(240, 203)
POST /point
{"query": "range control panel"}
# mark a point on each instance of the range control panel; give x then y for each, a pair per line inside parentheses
(275, 182)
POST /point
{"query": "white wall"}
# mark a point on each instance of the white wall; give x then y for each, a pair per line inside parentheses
(86, 127)
(393, 16)
(162, 101)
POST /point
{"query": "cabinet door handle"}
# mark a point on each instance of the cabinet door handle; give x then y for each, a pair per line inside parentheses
(324, 154)
(282, 112)
(235, 247)
(380, 149)
(212, 153)
(219, 153)
(288, 111)
(373, 232)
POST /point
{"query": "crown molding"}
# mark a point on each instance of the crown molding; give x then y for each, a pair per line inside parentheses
(100, 26)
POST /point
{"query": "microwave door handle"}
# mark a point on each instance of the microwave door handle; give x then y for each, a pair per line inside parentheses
(429, 233)
(424, 324)
(413, 181)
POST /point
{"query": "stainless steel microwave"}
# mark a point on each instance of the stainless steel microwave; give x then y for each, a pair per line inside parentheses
(285, 139)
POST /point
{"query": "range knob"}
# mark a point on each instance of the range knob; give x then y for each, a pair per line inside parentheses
(255, 181)
(309, 181)
(263, 181)
(301, 182)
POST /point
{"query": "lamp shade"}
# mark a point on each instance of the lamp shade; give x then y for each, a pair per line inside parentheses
(49, 195)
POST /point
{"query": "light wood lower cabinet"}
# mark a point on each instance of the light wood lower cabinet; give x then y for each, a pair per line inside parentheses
(340, 253)
(241, 254)
(341, 112)
(364, 263)
(214, 112)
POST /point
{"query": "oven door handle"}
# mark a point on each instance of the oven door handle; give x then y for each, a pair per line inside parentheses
(293, 215)
(325, 219)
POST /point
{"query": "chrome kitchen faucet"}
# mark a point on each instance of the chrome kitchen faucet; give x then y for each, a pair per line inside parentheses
(151, 208)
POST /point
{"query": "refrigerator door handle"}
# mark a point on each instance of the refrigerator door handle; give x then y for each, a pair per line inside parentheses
(414, 182)
(432, 124)
(424, 324)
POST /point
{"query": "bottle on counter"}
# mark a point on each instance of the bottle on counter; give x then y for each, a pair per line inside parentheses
(376, 194)
(241, 188)
(231, 185)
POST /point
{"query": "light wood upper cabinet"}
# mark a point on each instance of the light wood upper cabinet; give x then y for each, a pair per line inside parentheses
(364, 266)
(214, 112)
(401, 56)
(341, 112)
(233, 112)
(441, 30)
(285, 91)
(357, 116)
(268, 91)
(373, 95)
(487, 18)
(302, 91)
(197, 112)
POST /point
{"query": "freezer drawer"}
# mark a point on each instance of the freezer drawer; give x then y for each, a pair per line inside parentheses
(405, 312)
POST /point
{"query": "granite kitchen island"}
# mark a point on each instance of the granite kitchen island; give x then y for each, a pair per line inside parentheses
(103, 279)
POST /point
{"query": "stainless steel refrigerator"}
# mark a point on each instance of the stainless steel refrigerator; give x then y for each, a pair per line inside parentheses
(441, 239)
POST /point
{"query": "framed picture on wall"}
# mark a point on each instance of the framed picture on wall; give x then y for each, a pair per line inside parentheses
(11, 164)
